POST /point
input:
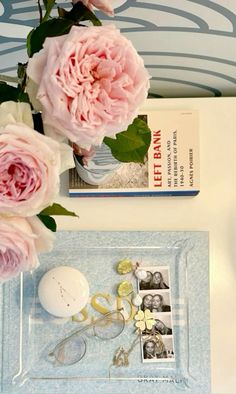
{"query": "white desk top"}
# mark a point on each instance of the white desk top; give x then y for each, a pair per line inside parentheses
(213, 210)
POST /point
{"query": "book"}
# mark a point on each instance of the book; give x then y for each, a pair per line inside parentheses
(171, 167)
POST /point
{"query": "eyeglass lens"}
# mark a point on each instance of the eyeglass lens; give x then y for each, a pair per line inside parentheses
(110, 327)
(72, 349)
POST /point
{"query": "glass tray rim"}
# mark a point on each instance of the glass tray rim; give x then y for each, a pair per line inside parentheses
(133, 237)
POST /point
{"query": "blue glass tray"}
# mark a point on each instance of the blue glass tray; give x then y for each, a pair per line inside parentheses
(28, 332)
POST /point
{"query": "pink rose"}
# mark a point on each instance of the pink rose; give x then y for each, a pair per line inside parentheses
(103, 5)
(21, 240)
(30, 164)
(91, 83)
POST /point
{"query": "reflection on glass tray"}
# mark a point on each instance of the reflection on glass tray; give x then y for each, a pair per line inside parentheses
(29, 333)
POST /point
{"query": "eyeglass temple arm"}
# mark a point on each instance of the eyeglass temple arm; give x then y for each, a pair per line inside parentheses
(81, 330)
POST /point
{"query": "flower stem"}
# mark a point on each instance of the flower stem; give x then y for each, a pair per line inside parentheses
(40, 12)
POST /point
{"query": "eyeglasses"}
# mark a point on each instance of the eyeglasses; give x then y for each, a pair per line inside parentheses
(73, 348)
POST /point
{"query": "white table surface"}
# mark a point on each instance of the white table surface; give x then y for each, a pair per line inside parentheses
(213, 210)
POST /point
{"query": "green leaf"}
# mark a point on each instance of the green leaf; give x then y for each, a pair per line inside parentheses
(48, 4)
(63, 13)
(79, 13)
(58, 26)
(131, 145)
(28, 42)
(52, 28)
(48, 221)
(10, 93)
(56, 209)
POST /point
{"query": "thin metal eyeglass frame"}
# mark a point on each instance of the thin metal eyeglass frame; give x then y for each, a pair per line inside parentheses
(84, 329)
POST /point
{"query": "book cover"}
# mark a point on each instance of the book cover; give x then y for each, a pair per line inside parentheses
(170, 168)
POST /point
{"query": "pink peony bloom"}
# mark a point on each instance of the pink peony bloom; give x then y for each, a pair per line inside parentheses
(21, 240)
(30, 164)
(91, 83)
(103, 5)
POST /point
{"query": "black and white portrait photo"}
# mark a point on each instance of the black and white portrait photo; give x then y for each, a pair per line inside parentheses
(156, 302)
(157, 278)
(163, 326)
(158, 350)
(155, 291)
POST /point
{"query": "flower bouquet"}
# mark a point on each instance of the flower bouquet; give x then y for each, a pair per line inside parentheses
(81, 87)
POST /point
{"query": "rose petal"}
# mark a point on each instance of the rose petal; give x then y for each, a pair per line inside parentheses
(91, 83)
(103, 5)
(45, 237)
(31, 89)
(67, 160)
(20, 241)
(11, 111)
(30, 164)
(17, 247)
